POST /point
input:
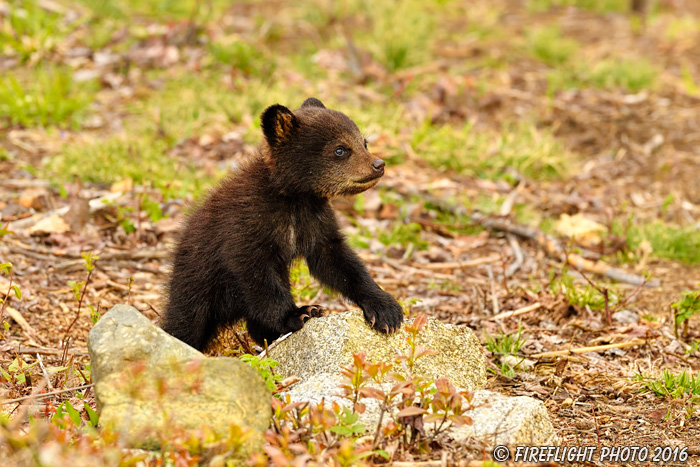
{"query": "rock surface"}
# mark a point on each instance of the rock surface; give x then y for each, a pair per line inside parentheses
(316, 353)
(148, 383)
(325, 344)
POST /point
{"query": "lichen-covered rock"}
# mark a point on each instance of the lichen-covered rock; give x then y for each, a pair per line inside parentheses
(148, 384)
(325, 344)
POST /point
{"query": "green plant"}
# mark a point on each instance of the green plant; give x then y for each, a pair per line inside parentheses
(521, 147)
(243, 57)
(264, 366)
(406, 235)
(79, 295)
(548, 45)
(18, 372)
(581, 296)
(304, 286)
(48, 96)
(684, 308)
(399, 44)
(30, 31)
(7, 268)
(506, 343)
(674, 386)
(598, 6)
(667, 241)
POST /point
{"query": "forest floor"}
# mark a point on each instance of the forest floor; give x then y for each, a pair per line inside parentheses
(579, 122)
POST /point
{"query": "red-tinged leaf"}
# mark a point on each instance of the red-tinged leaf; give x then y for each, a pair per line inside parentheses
(439, 404)
(359, 359)
(433, 418)
(372, 393)
(442, 385)
(420, 321)
(411, 412)
(422, 352)
(293, 406)
(276, 456)
(461, 420)
(360, 407)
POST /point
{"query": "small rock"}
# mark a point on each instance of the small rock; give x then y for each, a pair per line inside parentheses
(147, 383)
(626, 317)
(514, 361)
(509, 421)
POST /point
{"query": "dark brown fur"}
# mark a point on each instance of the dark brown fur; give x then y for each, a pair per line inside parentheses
(233, 259)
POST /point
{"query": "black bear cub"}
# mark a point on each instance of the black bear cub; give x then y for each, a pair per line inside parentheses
(233, 259)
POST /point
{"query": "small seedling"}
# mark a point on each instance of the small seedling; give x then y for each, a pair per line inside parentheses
(674, 386)
(506, 344)
(684, 309)
(265, 367)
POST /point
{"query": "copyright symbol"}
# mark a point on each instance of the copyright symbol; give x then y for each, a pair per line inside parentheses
(501, 453)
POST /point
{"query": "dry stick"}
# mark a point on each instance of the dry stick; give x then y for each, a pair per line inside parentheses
(80, 303)
(24, 407)
(458, 265)
(519, 311)
(595, 348)
(43, 370)
(34, 350)
(7, 296)
(554, 249)
(46, 394)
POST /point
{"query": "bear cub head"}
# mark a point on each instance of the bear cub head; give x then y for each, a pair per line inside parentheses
(319, 151)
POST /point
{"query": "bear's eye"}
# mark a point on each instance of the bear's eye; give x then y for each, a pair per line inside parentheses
(339, 151)
(365, 144)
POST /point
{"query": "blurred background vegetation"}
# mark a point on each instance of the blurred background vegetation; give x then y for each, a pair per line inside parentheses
(110, 90)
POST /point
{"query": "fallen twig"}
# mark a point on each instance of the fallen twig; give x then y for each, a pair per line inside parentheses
(595, 348)
(458, 265)
(555, 249)
(519, 311)
(46, 394)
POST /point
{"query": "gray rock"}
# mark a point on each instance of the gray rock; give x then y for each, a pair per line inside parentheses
(626, 317)
(510, 421)
(147, 384)
(325, 344)
(316, 353)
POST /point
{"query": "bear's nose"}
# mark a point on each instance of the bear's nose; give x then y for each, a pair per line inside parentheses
(378, 165)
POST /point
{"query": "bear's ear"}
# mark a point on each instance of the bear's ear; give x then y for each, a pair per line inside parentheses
(313, 102)
(278, 123)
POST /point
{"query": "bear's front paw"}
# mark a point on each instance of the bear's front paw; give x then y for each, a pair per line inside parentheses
(296, 319)
(384, 314)
(311, 311)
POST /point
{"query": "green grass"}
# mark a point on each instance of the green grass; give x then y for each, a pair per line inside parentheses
(667, 241)
(674, 386)
(243, 57)
(43, 97)
(506, 343)
(29, 31)
(548, 45)
(633, 75)
(488, 154)
(163, 10)
(597, 6)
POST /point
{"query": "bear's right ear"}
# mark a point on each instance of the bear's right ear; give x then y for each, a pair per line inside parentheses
(278, 123)
(313, 102)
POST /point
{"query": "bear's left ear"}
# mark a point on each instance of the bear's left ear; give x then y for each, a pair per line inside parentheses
(278, 123)
(313, 102)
